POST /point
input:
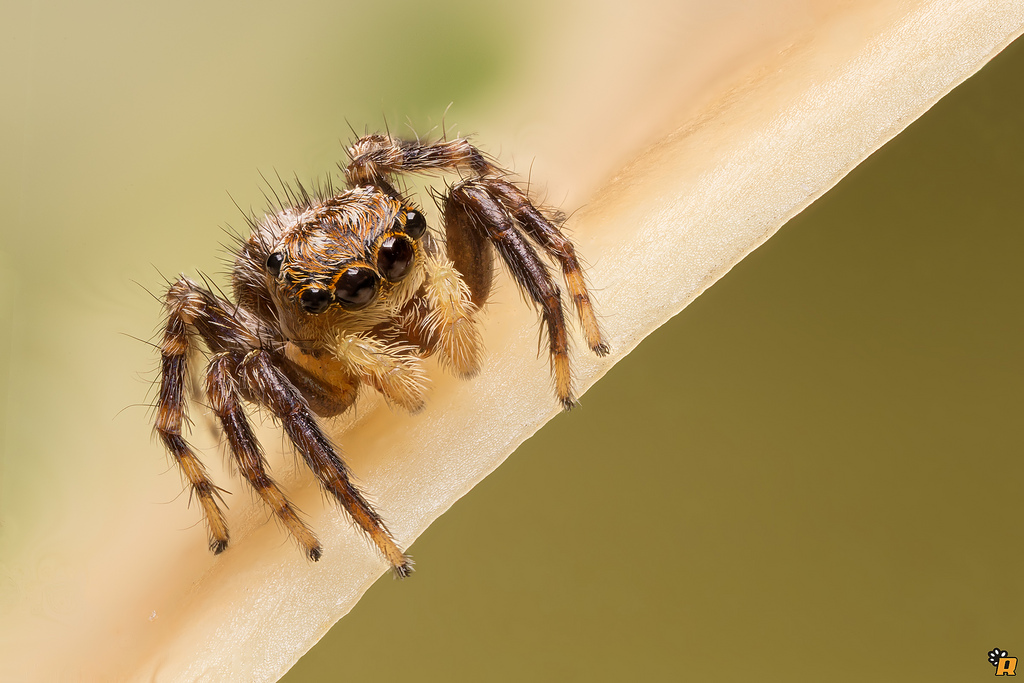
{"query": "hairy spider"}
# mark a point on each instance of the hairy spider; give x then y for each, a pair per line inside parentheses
(337, 290)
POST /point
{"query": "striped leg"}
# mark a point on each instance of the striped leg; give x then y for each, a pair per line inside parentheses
(189, 306)
(246, 450)
(170, 416)
(472, 207)
(557, 246)
(262, 380)
(375, 158)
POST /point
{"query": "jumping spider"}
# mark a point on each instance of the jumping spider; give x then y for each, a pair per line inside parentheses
(337, 290)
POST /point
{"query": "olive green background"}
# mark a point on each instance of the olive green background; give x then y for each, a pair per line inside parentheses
(813, 473)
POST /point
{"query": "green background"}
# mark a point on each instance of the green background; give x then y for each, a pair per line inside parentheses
(811, 474)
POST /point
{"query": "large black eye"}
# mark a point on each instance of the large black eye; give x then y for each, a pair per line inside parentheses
(356, 288)
(274, 262)
(415, 224)
(315, 299)
(394, 258)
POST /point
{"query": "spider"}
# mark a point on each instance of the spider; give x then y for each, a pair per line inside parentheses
(338, 290)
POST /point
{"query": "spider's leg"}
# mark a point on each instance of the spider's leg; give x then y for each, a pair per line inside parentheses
(472, 207)
(171, 414)
(376, 157)
(557, 246)
(223, 394)
(263, 380)
(191, 306)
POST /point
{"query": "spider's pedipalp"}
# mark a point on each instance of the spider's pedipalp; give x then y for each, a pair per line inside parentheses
(443, 319)
(395, 370)
(451, 322)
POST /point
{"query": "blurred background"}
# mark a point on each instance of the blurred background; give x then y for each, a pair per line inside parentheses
(813, 472)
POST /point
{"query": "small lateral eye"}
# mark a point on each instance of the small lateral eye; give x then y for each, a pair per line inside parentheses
(356, 288)
(394, 258)
(415, 224)
(315, 300)
(274, 262)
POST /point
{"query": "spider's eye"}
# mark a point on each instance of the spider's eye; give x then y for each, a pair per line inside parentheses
(356, 288)
(315, 299)
(415, 224)
(394, 258)
(274, 262)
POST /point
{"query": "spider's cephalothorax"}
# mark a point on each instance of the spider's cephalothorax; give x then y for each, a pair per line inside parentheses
(339, 290)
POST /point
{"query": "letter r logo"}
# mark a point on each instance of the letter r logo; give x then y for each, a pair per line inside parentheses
(1006, 666)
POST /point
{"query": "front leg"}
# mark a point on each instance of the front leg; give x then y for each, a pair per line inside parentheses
(261, 378)
(225, 399)
(192, 308)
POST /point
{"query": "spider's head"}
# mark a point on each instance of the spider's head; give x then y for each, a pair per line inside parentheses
(350, 261)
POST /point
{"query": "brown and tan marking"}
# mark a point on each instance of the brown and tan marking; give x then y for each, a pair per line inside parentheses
(340, 289)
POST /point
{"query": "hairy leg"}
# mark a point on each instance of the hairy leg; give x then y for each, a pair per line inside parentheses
(375, 158)
(558, 246)
(174, 353)
(264, 381)
(224, 399)
(470, 206)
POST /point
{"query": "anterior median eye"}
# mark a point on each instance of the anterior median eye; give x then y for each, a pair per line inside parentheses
(394, 258)
(315, 299)
(356, 288)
